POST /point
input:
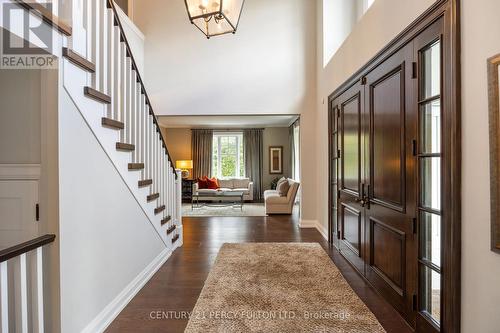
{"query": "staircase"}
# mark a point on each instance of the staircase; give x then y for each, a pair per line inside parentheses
(102, 78)
(99, 76)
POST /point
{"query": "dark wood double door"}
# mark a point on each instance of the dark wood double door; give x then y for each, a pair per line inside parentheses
(376, 225)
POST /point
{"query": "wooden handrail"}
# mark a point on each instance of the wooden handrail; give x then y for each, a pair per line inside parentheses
(47, 16)
(111, 5)
(25, 247)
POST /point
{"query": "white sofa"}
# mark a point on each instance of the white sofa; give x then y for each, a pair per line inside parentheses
(227, 185)
(276, 204)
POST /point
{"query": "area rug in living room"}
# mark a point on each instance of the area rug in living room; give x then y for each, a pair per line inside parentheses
(249, 209)
(278, 287)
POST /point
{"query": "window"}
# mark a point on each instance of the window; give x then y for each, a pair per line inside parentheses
(430, 182)
(228, 158)
(339, 19)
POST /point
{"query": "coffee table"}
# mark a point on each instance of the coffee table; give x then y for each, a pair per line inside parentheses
(217, 199)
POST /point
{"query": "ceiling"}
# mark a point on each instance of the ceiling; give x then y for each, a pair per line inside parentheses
(256, 121)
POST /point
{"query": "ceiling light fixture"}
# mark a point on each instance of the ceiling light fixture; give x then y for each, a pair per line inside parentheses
(215, 17)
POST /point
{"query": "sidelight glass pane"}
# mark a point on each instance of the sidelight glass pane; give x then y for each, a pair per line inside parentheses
(430, 120)
(430, 183)
(430, 237)
(431, 66)
(430, 292)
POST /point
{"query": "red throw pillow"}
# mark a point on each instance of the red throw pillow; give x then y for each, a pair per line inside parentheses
(213, 184)
(203, 183)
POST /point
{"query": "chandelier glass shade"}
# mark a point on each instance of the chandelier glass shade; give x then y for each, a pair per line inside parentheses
(215, 17)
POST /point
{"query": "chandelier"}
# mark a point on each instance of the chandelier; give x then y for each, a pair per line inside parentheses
(215, 17)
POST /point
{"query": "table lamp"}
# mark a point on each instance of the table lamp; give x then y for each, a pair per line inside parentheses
(185, 166)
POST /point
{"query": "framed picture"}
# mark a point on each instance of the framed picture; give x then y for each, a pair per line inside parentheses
(276, 160)
(494, 106)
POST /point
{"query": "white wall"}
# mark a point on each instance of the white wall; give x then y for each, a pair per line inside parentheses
(268, 67)
(20, 118)
(480, 266)
(385, 19)
(106, 240)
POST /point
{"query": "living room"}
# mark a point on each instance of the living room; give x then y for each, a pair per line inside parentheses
(236, 165)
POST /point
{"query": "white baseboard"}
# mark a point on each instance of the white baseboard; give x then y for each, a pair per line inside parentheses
(111, 311)
(305, 224)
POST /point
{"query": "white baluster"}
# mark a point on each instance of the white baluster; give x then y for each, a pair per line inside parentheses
(39, 288)
(128, 97)
(169, 186)
(95, 17)
(4, 297)
(103, 46)
(157, 154)
(24, 293)
(138, 133)
(123, 88)
(155, 160)
(148, 145)
(89, 27)
(162, 186)
(111, 61)
(133, 111)
(117, 74)
(142, 146)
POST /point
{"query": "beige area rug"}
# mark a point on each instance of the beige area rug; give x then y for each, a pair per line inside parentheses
(278, 287)
(249, 209)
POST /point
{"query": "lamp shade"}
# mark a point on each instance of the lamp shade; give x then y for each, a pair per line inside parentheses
(215, 17)
(184, 164)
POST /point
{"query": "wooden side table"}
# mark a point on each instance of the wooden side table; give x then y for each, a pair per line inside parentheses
(187, 190)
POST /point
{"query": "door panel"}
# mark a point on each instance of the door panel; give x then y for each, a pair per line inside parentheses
(351, 143)
(351, 228)
(384, 240)
(391, 177)
(350, 220)
(17, 211)
(387, 114)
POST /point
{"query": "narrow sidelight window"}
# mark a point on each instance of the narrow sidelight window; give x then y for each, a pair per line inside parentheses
(429, 161)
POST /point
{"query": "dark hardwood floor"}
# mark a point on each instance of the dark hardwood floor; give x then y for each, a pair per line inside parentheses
(178, 283)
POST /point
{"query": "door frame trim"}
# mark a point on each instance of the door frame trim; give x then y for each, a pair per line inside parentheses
(449, 10)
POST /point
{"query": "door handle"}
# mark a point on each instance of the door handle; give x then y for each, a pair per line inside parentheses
(366, 198)
(362, 199)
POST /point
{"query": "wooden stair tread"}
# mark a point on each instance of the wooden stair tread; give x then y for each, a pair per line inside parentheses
(127, 147)
(78, 60)
(153, 196)
(175, 238)
(96, 95)
(136, 166)
(166, 220)
(171, 229)
(115, 124)
(145, 182)
(159, 209)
